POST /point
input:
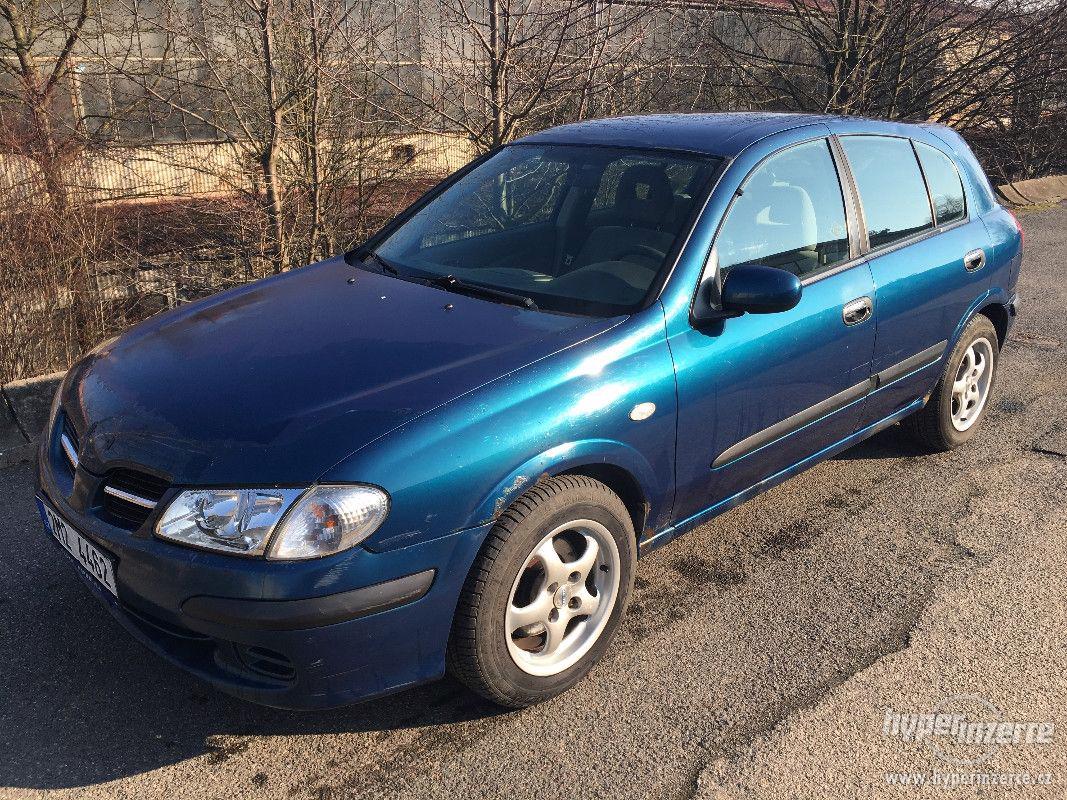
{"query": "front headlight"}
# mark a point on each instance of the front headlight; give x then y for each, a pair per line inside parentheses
(230, 520)
(325, 520)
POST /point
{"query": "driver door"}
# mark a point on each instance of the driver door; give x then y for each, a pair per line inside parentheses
(761, 392)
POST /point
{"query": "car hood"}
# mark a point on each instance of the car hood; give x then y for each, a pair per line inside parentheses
(277, 381)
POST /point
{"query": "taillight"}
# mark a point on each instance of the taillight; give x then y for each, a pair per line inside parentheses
(1018, 227)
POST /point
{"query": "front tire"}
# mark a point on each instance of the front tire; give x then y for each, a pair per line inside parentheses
(546, 594)
(959, 401)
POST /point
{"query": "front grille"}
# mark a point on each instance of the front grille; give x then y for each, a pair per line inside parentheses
(128, 497)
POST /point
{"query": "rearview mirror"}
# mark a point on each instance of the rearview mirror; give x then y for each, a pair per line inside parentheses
(755, 289)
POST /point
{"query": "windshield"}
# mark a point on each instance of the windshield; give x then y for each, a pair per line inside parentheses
(572, 229)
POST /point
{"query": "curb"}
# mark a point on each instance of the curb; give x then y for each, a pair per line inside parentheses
(1035, 191)
(24, 408)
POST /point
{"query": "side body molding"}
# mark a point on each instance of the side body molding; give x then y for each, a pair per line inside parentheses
(830, 405)
(920, 360)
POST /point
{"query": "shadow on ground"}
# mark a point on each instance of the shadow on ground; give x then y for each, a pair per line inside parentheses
(893, 442)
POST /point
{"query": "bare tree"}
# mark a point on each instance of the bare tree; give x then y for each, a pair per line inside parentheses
(947, 60)
(50, 236)
(312, 122)
(227, 65)
(495, 69)
(1022, 132)
(276, 81)
(37, 48)
(350, 166)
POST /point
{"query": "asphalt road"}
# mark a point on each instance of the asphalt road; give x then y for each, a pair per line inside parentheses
(758, 660)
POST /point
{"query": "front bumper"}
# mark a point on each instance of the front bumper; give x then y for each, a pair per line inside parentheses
(312, 634)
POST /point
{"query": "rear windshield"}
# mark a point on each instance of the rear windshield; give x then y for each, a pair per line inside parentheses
(576, 229)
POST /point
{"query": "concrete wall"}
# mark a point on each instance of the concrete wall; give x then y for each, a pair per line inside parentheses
(1035, 191)
(24, 407)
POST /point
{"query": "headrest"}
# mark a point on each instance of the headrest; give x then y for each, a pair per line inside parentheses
(644, 196)
(791, 205)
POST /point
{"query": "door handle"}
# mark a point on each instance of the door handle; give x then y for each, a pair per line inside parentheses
(974, 260)
(857, 311)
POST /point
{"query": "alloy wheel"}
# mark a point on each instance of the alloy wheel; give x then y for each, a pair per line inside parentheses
(970, 388)
(562, 598)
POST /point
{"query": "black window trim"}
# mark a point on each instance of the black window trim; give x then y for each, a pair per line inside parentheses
(857, 223)
(926, 183)
(859, 243)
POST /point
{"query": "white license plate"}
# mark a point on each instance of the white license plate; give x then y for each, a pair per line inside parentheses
(96, 563)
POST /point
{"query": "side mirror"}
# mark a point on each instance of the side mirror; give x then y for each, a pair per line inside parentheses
(756, 289)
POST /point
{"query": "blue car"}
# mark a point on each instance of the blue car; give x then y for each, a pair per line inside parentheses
(449, 447)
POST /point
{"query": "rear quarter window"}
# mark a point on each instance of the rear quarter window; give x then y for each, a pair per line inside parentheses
(946, 187)
(980, 195)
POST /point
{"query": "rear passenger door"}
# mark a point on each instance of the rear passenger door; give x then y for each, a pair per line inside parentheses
(926, 255)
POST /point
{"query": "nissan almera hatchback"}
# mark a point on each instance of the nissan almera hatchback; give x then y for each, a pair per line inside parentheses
(450, 446)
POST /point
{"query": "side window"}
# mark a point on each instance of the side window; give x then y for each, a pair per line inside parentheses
(946, 188)
(790, 214)
(895, 204)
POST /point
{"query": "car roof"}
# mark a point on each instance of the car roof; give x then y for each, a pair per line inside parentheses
(724, 134)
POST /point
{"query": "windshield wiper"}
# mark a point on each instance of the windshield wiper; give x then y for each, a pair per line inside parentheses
(453, 284)
(385, 266)
(362, 255)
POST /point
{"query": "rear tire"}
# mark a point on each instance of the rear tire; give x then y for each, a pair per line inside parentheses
(960, 399)
(546, 594)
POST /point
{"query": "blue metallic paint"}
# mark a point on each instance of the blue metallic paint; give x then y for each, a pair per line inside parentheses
(805, 355)
(305, 378)
(712, 134)
(760, 290)
(923, 291)
(274, 382)
(459, 466)
(725, 504)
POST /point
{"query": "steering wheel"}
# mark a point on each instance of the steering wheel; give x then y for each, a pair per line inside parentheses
(641, 250)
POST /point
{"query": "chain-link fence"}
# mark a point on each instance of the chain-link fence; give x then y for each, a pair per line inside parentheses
(176, 148)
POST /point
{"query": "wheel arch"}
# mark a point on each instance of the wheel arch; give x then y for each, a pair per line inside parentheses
(997, 313)
(992, 305)
(617, 465)
(622, 483)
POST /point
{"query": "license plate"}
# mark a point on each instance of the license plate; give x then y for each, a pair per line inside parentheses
(91, 557)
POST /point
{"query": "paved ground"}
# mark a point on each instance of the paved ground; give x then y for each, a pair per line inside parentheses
(759, 658)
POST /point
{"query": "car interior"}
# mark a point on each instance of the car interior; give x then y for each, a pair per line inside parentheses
(790, 215)
(587, 232)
